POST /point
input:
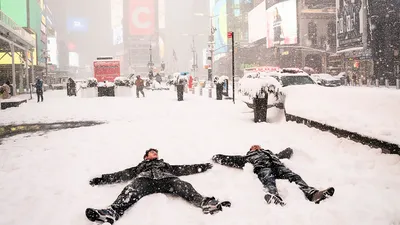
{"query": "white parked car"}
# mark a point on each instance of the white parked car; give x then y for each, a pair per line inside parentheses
(327, 80)
(274, 83)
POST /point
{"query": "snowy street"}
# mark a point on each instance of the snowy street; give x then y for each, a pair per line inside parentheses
(44, 177)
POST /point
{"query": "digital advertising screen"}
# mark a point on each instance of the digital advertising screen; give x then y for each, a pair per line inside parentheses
(79, 25)
(53, 50)
(257, 23)
(73, 59)
(142, 17)
(220, 23)
(281, 22)
(116, 21)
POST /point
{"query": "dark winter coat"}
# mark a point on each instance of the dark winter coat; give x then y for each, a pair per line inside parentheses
(260, 159)
(153, 169)
(39, 86)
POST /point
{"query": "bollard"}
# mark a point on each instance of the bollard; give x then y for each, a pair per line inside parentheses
(368, 82)
(179, 91)
(398, 83)
(219, 88)
(201, 91)
(377, 82)
(210, 92)
(260, 106)
(387, 83)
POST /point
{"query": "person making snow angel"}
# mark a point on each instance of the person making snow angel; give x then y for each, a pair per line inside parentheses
(268, 168)
(152, 175)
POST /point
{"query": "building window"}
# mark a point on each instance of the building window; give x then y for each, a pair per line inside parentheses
(331, 34)
(312, 33)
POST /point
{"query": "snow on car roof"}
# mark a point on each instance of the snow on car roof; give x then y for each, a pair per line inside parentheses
(285, 74)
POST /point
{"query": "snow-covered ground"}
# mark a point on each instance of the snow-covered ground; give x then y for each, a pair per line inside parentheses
(373, 112)
(44, 176)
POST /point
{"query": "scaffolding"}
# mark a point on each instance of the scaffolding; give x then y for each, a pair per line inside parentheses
(16, 42)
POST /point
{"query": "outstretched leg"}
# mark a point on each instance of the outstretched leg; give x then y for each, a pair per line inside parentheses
(132, 193)
(137, 92)
(311, 193)
(129, 196)
(267, 178)
(186, 191)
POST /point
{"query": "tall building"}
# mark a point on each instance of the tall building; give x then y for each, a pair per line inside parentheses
(84, 33)
(385, 39)
(26, 14)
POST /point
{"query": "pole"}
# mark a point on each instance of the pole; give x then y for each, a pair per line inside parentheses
(194, 57)
(46, 58)
(32, 69)
(14, 85)
(233, 66)
(27, 70)
(211, 46)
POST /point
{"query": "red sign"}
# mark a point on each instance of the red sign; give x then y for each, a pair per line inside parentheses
(106, 70)
(142, 17)
(230, 34)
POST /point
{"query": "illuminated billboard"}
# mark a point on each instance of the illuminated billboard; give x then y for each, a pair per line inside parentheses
(116, 21)
(17, 10)
(350, 23)
(161, 14)
(142, 17)
(257, 23)
(281, 22)
(53, 51)
(220, 23)
(77, 24)
(73, 59)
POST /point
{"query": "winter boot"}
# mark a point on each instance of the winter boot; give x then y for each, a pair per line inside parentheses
(211, 205)
(276, 199)
(318, 196)
(108, 215)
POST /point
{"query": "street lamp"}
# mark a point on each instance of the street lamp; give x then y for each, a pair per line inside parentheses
(194, 52)
(211, 43)
(150, 64)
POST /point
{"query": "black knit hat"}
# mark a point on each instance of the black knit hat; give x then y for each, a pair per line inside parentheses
(147, 152)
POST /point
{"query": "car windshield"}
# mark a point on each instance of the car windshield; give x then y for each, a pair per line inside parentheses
(296, 80)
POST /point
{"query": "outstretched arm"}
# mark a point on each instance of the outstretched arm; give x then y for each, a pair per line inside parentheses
(117, 177)
(184, 170)
(236, 161)
(285, 154)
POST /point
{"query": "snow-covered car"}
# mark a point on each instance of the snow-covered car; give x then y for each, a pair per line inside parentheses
(325, 79)
(273, 83)
(122, 81)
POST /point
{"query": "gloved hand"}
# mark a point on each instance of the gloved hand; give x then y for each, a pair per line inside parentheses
(216, 158)
(96, 181)
(208, 166)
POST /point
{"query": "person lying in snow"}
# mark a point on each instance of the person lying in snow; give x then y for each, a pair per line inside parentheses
(268, 168)
(152, 175)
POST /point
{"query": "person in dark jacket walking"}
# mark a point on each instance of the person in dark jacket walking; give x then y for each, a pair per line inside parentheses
(152, 175)
(268, 168)
(39, 89)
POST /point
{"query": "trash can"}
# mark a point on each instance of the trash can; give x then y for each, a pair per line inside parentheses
(179, 90)
(219, 89)
(260, 105)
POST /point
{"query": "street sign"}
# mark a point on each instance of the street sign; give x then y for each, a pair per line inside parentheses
(230, 34)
